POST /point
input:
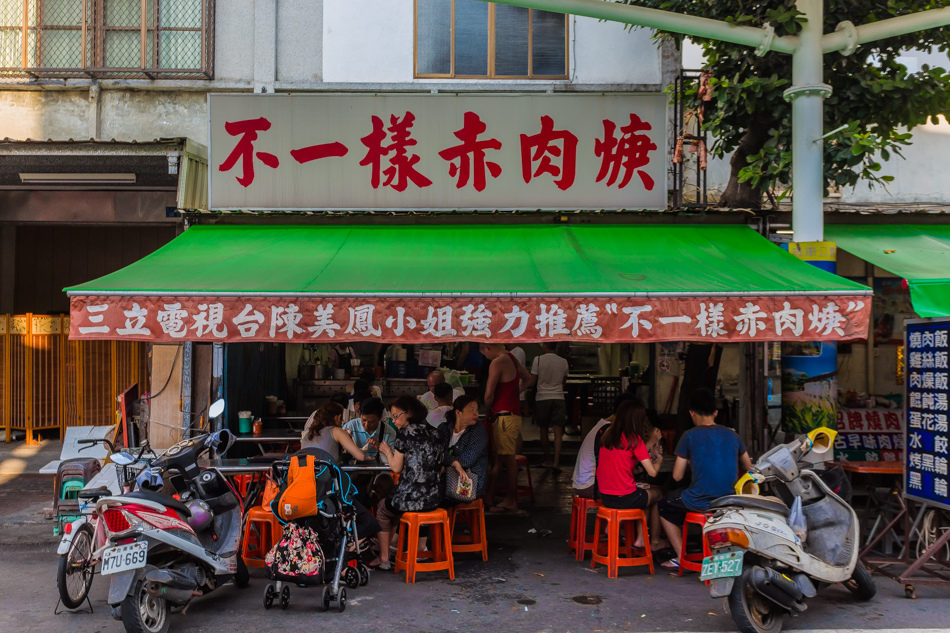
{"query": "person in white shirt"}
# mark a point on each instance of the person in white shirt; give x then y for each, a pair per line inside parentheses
(444, 397)
(549, 409)
(435, 378)
(585, 468)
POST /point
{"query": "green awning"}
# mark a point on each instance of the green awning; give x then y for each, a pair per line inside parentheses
(471, 261)
(918, 253)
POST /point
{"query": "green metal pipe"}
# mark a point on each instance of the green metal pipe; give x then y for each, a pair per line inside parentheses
(843, 38)
(760, 38)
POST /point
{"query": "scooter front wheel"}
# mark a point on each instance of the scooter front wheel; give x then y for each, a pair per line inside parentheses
(752, 612)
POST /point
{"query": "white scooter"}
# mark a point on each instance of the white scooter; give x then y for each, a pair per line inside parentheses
(759, 562)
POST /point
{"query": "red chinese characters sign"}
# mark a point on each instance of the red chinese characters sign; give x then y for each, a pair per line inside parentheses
(607, 320)
(437, 152)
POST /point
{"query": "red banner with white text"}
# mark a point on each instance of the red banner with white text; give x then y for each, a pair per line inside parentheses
(502, 320)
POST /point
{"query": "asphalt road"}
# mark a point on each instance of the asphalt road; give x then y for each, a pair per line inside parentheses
(529, 584)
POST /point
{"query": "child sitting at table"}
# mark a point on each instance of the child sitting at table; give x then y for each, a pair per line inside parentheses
(716, 456)
(625, 444)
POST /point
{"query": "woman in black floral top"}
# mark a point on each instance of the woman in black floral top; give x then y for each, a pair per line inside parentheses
(417, 454)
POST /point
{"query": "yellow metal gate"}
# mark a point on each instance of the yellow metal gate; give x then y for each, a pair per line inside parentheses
(50, 382)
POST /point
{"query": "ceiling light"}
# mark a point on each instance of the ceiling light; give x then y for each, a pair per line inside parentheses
(77, 179)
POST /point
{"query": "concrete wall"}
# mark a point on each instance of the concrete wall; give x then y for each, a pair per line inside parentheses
(372, 42)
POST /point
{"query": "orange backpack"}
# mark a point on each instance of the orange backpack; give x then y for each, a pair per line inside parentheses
(300, 493)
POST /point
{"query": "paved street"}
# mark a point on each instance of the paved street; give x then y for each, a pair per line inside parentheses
(528, 584)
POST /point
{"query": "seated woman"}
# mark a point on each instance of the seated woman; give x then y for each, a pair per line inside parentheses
(624, 444)
(416, 454)
(466, 444)
(324, 431)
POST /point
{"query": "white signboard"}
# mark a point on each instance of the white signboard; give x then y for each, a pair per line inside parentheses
(437, 152)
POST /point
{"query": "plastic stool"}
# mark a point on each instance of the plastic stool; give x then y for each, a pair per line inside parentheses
(580, 541)
(268, 529)
(693, 562)
(523, 491)
(473, 514)
(440, 544)
(610, 519)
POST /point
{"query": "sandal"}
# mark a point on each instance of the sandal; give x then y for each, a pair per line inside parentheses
(501, 510)
(671, 564)
(384, 565)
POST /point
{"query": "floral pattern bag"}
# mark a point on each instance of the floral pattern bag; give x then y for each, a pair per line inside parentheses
(297, 557)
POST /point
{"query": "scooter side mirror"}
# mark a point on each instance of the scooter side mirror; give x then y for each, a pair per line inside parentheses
(122, 459)
(747, 485)
(216, 408)
(822, 440)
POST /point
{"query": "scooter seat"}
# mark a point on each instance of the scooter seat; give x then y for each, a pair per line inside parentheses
(94, 493)
(165, 500)
(751, 502)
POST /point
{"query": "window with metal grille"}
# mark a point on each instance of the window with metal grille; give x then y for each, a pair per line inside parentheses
(472, 39)
(156, 39)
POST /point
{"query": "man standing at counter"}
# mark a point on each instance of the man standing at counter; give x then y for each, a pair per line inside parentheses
(434, 378)
(506, 380)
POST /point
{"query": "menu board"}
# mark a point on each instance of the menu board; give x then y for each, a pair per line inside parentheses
(927, 403)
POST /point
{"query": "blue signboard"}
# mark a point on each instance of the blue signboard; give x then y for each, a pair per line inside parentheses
(927, 403)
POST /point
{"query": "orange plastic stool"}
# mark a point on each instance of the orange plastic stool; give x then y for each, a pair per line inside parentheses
(523, 491)
(440, 546)
(610, 520)
(474, 514)
(693, 562)
(261, 531)
(580, 541)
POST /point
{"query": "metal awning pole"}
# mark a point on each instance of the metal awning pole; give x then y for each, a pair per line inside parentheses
(762, 38)
(807, 95)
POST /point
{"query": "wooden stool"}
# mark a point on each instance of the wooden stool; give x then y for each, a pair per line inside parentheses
(262, 522)
(440, 544)
(580, 541)
(523, 491)
(474, 515)
(610, 519)
(693, 562)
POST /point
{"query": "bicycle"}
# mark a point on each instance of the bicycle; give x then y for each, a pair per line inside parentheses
(84, 539)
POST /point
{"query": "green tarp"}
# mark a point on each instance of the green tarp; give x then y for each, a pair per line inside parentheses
(918, 253)
(505, 260)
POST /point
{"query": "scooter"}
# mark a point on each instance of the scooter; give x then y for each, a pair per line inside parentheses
(166, 551)
(759, 561)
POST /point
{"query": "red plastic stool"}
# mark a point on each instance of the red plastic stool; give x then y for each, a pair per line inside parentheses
(523, 491)
(261, 531)
(610, 520)
(580, 541)
(440, 546)
(474, 515)
(693, 562)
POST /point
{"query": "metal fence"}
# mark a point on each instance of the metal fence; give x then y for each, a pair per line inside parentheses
(48, 382)
(154, 39)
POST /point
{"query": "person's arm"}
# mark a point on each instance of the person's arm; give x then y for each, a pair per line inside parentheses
(527, 378)
(745, 463)
(461, 471)
(679, 468)
(494, 373)
(395, 458)
(343, 439)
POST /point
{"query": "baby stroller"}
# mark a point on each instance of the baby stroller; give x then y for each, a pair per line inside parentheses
(317, 508)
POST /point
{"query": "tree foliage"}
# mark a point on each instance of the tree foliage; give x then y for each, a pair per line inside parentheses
(873, 94)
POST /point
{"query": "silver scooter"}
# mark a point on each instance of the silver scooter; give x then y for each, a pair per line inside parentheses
(759, 562)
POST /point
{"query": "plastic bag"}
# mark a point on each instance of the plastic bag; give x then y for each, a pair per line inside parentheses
(796, 519)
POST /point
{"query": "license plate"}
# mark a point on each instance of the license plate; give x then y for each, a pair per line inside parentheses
(123, 558)
(721, 566)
